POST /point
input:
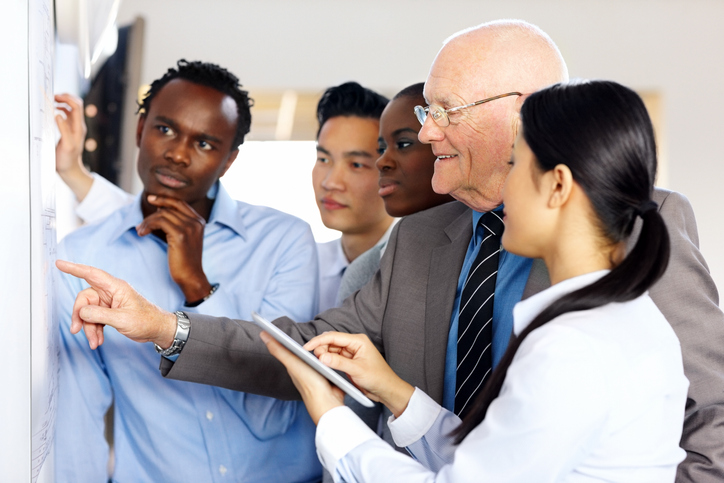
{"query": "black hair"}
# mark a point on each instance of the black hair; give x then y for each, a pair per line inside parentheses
(602, 132)
(349, 99)
(209, 75)
(415, 90)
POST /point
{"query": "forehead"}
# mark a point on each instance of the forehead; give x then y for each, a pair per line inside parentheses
(187, 101)
(458, 75)
(349, 133)
(400, 113)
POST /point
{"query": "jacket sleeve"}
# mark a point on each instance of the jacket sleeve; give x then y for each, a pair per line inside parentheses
(688, 298)
(229, 353)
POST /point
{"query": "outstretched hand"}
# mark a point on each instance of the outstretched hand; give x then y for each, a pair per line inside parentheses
(355, 355)
(111, 301)
(318, 394)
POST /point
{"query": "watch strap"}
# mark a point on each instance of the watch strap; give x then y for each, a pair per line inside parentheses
(183, 327)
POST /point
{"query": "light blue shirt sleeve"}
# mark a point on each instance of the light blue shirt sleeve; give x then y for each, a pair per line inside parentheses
(513, 272)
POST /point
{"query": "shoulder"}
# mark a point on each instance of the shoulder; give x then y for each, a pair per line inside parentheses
(436, 218)
(264, 221)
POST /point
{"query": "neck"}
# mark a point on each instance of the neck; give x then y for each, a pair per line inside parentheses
(579, 252)
(355, 244)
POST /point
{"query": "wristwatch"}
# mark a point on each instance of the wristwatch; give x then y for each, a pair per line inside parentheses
(183, 326)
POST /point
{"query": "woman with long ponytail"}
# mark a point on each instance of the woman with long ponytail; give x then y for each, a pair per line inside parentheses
(591, 387)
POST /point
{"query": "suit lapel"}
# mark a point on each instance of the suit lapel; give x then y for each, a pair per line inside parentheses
(446, 261)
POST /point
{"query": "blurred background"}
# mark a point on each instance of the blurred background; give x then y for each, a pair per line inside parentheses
(286, 53)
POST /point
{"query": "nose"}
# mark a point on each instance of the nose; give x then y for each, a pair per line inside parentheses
(430, 132)
(178, 152)
(385, 162)
(333, 179)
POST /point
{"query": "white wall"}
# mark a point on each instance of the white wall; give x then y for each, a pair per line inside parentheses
(671, 46)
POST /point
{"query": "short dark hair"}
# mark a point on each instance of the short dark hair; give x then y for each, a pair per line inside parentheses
(415, 90)
(210, 75)
(349, 99)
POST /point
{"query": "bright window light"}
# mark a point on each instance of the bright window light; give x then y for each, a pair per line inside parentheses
(278, 174)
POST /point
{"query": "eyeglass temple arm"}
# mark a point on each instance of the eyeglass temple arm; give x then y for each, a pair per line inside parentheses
(485, 100)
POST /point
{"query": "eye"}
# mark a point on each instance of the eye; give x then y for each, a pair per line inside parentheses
(381, 148)
(322, 160)
(357, 165)
(165, 129)
(205, 146)
(403, 144)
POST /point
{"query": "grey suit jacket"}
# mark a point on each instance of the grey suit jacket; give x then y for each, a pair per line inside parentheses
(406, 307)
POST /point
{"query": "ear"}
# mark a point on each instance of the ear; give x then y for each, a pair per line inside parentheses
(230, 161)
(516, 113)
(560, 184)
(139, 129)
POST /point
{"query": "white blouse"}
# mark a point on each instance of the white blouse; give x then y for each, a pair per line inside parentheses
(595, 395)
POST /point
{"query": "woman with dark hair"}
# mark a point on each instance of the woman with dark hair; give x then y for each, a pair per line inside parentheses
(592, 387)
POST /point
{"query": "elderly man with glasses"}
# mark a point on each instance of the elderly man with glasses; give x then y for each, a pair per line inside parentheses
(440, 308)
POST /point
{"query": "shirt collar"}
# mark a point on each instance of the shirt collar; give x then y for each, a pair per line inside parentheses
(224, 212)
(339, 261)
(526, 310)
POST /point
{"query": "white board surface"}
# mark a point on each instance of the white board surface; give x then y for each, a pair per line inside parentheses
(28, 361)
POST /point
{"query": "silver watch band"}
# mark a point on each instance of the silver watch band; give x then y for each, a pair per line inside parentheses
(183, 327)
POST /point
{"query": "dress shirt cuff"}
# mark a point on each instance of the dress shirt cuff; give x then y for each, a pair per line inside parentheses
(339, 431)
(417, 419)
(103, 199)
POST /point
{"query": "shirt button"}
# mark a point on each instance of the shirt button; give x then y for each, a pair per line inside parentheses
(210, 416)
(222, 470)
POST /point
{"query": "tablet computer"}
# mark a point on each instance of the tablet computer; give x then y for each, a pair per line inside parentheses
(311, 360)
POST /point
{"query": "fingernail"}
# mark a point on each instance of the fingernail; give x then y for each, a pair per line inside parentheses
(151, 197)
(326, 359)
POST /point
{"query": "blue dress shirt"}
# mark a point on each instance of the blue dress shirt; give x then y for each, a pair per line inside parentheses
(166, 430)
(513, 272)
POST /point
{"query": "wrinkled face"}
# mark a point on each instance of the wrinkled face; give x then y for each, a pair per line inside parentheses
(474, 150)
(185, 141)
(405, 164)
(528, 223)
(345, 177)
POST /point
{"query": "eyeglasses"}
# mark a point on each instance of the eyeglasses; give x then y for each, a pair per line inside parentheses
(439, 115)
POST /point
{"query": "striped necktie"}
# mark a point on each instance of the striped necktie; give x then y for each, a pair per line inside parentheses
(475, 319)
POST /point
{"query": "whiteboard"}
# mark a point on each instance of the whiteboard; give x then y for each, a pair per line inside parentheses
(29, 355)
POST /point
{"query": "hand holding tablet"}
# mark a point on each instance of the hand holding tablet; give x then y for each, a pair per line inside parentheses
(311, 360)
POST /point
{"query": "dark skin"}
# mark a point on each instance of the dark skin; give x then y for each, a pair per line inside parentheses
(185, 145)
(405, 164)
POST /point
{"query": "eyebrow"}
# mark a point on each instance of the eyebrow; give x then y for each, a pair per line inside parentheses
(347, 154)
(357, 153)
(202, 136)
(403, 130)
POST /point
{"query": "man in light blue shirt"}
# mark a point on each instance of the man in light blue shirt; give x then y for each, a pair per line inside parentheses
(187, 246)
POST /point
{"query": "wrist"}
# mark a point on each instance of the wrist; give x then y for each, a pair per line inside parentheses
(167, 330)
(78, 179)
(195, 289)
(197, 302)
(398, 398)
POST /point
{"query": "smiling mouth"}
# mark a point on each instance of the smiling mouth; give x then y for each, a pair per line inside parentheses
(447, 156)
(169, 179)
